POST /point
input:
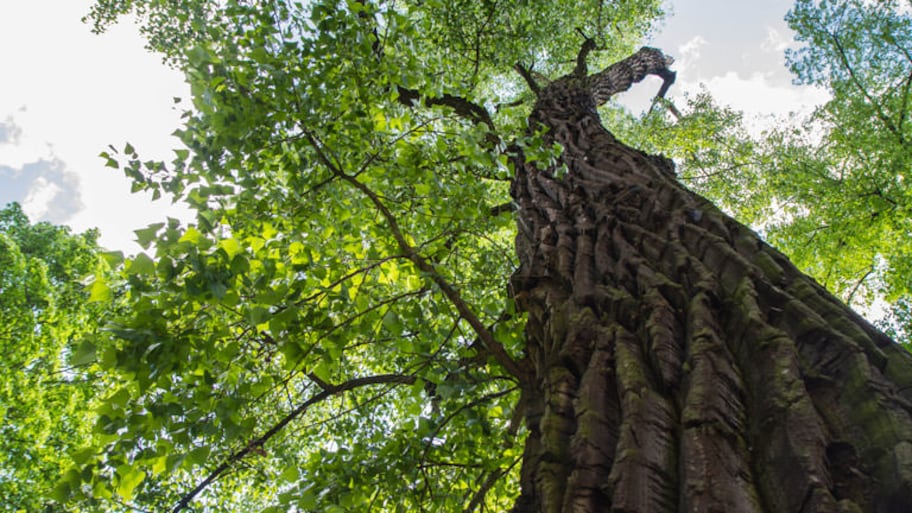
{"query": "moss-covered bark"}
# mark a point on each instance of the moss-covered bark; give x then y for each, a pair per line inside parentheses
(681, 364)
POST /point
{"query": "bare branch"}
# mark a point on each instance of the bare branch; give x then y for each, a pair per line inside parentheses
(461, 106)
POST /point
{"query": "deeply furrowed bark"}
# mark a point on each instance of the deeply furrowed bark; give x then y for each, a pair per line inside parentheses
(680, 363)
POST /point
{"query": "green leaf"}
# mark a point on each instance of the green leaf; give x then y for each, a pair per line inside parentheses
(392, 322)
(231, 246)
(113, 258)
(84, 354)
(159, 465)
(100, 291)
(66, 485)
(129, 477)
(307, 500)
(191, 235)
(141, 264)
(198, 456)
(145, 236)
(290, 475)
(323, 370)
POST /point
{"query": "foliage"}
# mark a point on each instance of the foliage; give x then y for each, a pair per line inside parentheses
(45, 327)
(333, 333)
(862, 51)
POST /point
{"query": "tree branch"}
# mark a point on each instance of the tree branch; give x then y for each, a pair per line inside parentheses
(901, 115)
(461, 106)
(501, 209)
(256, 444)
(426, 267)
(526, 74)
(858, 284)
(408, 97)
(582, 69)
(486, 486)
(621, 75)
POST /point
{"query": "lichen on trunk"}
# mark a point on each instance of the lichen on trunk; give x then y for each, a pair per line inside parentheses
(680, 363)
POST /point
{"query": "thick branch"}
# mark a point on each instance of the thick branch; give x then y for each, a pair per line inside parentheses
(461, 106)
(621, 75)
(255, 444)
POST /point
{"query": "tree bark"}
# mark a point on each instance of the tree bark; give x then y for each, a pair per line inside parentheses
(680, 363)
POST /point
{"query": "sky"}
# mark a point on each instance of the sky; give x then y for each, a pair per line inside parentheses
(66, 94)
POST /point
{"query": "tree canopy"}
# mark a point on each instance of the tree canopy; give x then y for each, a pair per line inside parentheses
(333, 333)
(45, 326)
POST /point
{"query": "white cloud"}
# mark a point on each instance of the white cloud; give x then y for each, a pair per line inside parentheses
(757, 95)
(763, 102)
(37, 204)
(775, 41)
(689, 53)
(45, 188)
(73, 94)
(9, 132)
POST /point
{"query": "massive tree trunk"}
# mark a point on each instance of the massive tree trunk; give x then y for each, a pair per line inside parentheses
(681, 364)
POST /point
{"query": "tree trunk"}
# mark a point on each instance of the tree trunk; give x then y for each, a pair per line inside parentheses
(680, 363)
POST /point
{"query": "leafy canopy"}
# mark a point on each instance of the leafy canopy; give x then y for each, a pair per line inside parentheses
(862, 52)
(333, 332)
(46, 327)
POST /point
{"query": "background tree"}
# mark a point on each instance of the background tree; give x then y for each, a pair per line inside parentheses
(45, 325)
(862, 52)
(336, 333)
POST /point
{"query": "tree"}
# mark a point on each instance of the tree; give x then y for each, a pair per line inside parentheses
(862, 51)
(45, 323)
(337, 331)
